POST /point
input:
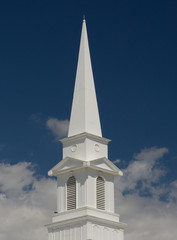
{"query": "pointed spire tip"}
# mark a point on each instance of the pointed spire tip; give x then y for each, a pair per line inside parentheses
(84, 113)
(83, 18)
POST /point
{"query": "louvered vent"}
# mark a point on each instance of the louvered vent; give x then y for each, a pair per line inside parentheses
(71, 193)
(100, 193)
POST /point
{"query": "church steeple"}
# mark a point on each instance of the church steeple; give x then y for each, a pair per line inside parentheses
(85, 175)
(84, 114)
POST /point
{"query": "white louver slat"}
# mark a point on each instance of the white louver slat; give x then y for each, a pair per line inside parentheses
(100, 193)
(71, 193)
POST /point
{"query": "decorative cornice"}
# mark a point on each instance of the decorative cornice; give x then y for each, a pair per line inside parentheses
(85, 135)
(85, 214)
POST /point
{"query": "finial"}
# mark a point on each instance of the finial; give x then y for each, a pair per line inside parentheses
(83, 18)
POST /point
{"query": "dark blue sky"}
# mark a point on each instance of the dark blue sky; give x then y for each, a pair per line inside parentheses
(133, 48)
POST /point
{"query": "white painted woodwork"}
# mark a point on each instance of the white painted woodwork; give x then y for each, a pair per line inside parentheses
(85, 147)
(85, 176)
(84, 113)
(86, 230)
(85, 189)
(72, 164)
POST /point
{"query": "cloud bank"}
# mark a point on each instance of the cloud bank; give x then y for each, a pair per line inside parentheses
(147, 205)
(144, 201)
(26, 202)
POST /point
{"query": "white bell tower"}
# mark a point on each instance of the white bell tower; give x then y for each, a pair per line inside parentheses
(85, 176)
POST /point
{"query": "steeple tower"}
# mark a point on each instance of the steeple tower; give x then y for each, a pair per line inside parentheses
(85, 176)
(84, 114)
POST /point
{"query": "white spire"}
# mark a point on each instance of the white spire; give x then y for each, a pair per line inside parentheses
(84, 113)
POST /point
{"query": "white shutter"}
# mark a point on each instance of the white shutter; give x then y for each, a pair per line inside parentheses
(100, 193)
(71, 193)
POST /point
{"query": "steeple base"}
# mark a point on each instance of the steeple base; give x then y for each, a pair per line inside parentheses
(87, 229)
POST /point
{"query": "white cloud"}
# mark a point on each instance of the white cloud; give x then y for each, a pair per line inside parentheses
(18, 178)
(117, 161)
(143, 169)
(58, 127)
(27, 201)
(148, 218)
(139, 198)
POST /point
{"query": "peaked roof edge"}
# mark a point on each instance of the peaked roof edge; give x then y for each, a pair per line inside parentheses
(56, 170)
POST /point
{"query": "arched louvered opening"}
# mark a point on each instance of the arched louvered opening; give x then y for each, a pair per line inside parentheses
(100, 193)
(71, 193)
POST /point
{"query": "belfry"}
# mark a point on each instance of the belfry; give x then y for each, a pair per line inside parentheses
(85, 176)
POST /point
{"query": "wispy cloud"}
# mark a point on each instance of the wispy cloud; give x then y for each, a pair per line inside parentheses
(58, 127)
(116, 161)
